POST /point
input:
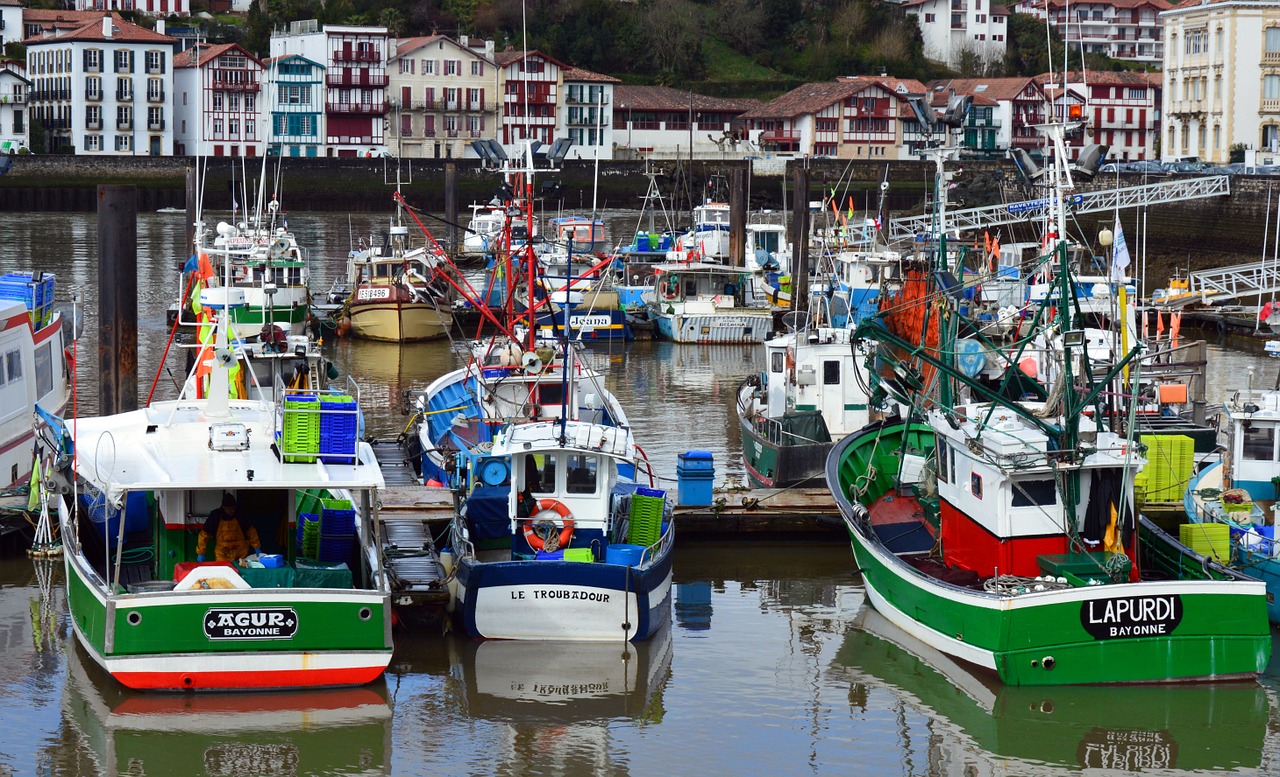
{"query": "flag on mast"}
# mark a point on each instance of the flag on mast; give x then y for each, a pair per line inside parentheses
(1119, 254)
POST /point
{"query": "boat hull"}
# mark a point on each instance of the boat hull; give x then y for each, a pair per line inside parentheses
(394, 321)
(1185, 630)
(713, 329)
(288, 309)
(770, 465)
(163, 641)
(562, 600)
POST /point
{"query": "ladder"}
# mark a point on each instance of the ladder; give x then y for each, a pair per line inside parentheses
(968, 219)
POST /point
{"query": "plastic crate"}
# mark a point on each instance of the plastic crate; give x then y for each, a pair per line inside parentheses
(308, 534)
(1208, 539)
(337, 516)
(338, 425)
(645, 526)
(299, 438)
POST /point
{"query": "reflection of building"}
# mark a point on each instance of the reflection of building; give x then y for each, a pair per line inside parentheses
(355, 61)
(295, 96)
(443, 95)
(1221, 79)
(217, 101)
(102, 88)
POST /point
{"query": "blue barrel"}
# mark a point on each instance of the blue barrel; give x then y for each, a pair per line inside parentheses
(695, 478)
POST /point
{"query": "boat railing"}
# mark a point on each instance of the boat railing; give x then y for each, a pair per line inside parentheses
(659, 548)
(301, 413)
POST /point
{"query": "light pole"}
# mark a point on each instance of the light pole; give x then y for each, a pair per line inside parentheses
(627, 108)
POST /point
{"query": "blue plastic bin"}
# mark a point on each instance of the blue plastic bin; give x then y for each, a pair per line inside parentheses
(695, 478)
(625, 555)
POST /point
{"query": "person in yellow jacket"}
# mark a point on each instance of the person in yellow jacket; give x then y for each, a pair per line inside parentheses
(233, 536)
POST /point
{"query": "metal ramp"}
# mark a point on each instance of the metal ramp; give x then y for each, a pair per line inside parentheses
(1223, 284)
(1176, 190)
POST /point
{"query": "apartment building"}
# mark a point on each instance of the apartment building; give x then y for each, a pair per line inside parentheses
(14, 88)
(659, 122)
(530, 83)
(295, 94)
(355, 72)
(956, 30)
(218, 101)
(102, 88)
(443, 94)
(11, 22)
(1121, 29)
(149, 7)
(585, 113)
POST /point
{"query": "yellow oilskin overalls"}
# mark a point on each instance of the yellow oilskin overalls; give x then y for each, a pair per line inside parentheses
(231, 542)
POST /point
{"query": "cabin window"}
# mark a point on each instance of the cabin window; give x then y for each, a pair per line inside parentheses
(944, 471)
(691, 288)
(13, 365)
(1259, 442)
(540, 474)
(831, 373)
(975, 485)
(580, 475)
(1034, 493)
(44, 370)
(550, 394)
(777, 360)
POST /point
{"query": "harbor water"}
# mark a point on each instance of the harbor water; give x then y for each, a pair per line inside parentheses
(772, 664)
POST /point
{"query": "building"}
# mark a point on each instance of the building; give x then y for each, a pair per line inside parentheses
(849, 118)
(14, 88)
(102, 88)
(443, 95)
(37, 21)
(961, 32)
(530, 82)
(1221, 79)
(584, 113)
(1120, 109)
(658, 122)
(1121, 29)
(295, 95)
(355, 63)
(149, 7)
(218, 102)
(1019, 106)
(11, 30)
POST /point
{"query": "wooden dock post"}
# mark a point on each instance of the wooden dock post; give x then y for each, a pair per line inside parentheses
(451, 205)
(738, 216)
(799, 235)
(117, 299)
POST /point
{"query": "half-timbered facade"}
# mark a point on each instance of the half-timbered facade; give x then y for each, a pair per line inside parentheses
(295, 94)
(218, 101)
(530, 82)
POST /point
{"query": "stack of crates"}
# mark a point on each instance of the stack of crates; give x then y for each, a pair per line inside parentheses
(34, 291)
(645, 526)
(299, 435)
(1170, 458)
(1212, 540)
(308, 535)
(337, 530)
(338, 416)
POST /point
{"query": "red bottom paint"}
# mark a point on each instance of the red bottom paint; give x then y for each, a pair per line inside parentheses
(247, 681)
(967, 545)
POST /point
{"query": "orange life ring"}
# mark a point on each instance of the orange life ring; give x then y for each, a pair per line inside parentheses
(559, 508)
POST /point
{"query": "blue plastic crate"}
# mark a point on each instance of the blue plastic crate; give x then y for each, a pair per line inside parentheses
(338, 429)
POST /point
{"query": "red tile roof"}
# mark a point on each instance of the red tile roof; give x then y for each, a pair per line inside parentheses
(410, 45)
(665, 99)
(578, 74)
(209, 52)
(996, 88)
(806, 99)
(122, 32)
(1100, 78)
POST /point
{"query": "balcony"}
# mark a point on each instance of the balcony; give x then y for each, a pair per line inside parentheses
(579, 101)
(429, 133)
(92, 97)
(1270, 106)
(92, 124)
(155, 126)
(235, 86)
(451, 133)
(368, 55)
(124, 97)
(982, 123)
(1271, 57)
(474, 133)
(155, 97)
(358, 78)
(369, 109)
(780, 136)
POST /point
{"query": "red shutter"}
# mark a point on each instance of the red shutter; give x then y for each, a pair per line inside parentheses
(482, 106)
(406, 96)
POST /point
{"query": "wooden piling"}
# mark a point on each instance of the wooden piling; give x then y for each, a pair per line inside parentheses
(451, 204)
(117, 299)
(799, 171)
(738, 215)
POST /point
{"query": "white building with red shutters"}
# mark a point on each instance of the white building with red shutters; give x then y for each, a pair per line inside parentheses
(149, 7)
(1121, 29)
(443, 94)
(530, 83)
(1120, 109)
(102, 88)
(355, 60)
(956, 30)
(218, 102)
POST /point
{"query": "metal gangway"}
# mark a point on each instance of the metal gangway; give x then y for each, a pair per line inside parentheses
(1175, 190)
(1222, 284)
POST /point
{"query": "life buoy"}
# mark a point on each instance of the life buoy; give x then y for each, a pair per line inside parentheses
(559, 508)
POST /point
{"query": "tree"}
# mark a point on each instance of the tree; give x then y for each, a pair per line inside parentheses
(37, 138)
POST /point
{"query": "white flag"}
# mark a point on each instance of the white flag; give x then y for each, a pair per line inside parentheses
(1119, 254)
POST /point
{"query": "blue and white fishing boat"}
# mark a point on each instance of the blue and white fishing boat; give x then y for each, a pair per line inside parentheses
(1243, 489)
(701, 302)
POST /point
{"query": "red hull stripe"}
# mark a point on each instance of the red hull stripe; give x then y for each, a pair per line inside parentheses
(25, 438)
(230, 681)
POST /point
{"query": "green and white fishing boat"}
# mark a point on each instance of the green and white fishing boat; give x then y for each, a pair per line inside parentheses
(131, 493)
(1002, 532)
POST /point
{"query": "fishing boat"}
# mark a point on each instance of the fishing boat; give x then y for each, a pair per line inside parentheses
(1001, 531)
(395, 296)
(483, 230)
(132, 490)
(1036, 730)
(35, 368)
(703, 302)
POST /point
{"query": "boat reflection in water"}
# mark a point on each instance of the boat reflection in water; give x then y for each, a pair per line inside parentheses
(1037, 729)
(334, 732)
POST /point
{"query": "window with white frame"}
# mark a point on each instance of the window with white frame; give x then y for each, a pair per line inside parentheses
(124, 142)
(406, 66)
(1272, 40)
(217, 128)
(123, 60)
(477, 68)
(451, 67)
(428, 67)
(154, 61)
(1271, 87)
(124, 117)
(93, 61)
(93, 88)
(233, 128)
(250, 129)
(250, 104)
(92, 142)
(155, 88)
(217, 101)
(93, 117)
(155, 118)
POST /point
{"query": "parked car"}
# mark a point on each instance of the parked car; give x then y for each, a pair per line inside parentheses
(1181, 167)
(1146, 166)
(1112, 167)
(1231, 169)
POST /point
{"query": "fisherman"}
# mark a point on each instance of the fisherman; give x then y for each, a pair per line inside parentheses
(233, 536)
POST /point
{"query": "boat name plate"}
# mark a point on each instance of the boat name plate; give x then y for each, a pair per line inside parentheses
(250, 623)
(1131, 616)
